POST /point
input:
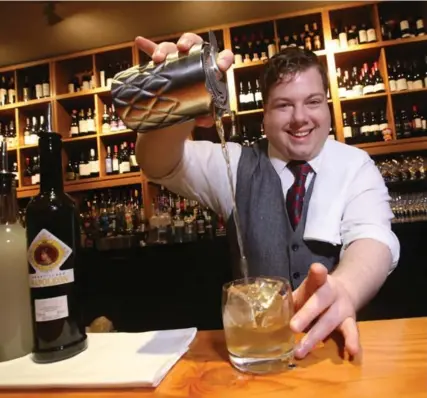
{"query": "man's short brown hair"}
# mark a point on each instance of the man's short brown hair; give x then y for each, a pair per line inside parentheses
(287, 63)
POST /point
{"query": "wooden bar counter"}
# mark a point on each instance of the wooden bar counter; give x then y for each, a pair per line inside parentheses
(393, 364)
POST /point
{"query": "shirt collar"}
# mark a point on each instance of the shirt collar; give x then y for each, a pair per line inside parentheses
(279, 161)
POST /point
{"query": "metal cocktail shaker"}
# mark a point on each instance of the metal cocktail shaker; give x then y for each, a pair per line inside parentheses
(183, 87)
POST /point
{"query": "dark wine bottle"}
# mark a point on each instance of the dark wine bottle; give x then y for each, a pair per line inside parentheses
(53, 245)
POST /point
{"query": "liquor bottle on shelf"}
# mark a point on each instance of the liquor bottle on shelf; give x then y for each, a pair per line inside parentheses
(35, 170)
(70, 172)
(124, 159)
(115, 214)
(402, 28)
(108, 162)
(15, 171)
(46, 87)
(84, 166)
(26, 90)
(74, 126)
(3, 91)
(93, 164)
(82, 121)
(27, 175)
(132, 158)
(8, 133)
(106, 126)
(53, 245)
(365, 127)
(90, 122)
(16, 331)
(345, 36)
(411, 124)
(116, 161)
(81, 82)
(406, 76)
(368, 81)
(258, 95)
(234, 134)
(11, 91)
(121, 161)
(42, 126)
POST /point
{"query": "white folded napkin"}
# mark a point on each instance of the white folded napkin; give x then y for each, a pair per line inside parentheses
(111, 360)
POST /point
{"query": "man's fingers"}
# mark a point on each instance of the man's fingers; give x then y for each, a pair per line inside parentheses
(317, 276)
(313, 307)
(225, 60)
(163, 49)
(157, 52)
(187, 40)
(146, 45)
(326, 324)
(351, 336)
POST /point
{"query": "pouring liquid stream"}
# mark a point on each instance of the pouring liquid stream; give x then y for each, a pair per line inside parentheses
(243, 261)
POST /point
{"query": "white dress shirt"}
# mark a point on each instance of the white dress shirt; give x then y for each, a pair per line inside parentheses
(349, 200)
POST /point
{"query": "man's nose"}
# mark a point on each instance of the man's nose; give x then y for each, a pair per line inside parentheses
(299, 115)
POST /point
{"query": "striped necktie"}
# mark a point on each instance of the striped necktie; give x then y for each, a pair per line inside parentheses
(296, 193)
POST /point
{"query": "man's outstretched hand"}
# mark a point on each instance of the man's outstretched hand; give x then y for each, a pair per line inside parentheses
(323, 303)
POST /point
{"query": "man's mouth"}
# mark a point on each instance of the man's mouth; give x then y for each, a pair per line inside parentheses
(300, 134)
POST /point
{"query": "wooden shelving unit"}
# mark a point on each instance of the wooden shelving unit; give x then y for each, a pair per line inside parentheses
(60, 68)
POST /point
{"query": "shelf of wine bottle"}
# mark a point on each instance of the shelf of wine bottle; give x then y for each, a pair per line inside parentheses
(375, 52)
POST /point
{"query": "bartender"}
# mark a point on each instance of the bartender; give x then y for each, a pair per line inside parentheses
(313, 210)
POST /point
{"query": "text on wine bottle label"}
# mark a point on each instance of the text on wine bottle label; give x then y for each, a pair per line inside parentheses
(51, 309)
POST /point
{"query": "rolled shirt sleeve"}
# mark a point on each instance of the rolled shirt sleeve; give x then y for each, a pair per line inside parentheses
(367, 213)
(202, 175)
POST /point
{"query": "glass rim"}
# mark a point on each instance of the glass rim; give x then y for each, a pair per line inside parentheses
(242, 281)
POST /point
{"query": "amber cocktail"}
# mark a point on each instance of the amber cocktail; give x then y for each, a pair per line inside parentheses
(256, 315)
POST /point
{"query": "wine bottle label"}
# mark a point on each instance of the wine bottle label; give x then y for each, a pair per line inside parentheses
(102, 78)
(108, 166)
(417, 84)
(39, 91)
(379, 87)
(94, 166)
(46, 255)
(372, 36)
(26, 94)
(363, 36)
(46, 89)
(124, 167)
(51, 309)
(106, 128)
(347, 132)
(404, 25)
(90, 125)
(133, 161)
(74, 130)
(402, 84)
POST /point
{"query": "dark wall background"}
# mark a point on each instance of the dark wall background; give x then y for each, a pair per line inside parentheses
(179, 285)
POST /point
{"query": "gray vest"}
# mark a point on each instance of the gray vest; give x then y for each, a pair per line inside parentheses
(271, 245)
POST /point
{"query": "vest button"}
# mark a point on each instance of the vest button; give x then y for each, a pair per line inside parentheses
(295, 248)
(296, 275)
